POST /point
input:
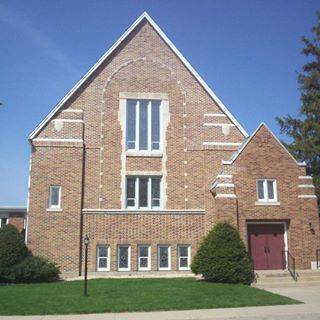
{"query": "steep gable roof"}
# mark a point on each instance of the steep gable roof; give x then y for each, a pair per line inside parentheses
(248, 140)
(106, 55)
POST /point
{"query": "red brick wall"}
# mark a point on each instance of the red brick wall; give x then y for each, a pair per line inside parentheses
(264, 157)
(142, 64)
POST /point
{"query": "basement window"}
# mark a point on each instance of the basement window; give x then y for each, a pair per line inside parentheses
(164, 257)
(103, 258)
(124, 258)
(184, 257)
(144, 257)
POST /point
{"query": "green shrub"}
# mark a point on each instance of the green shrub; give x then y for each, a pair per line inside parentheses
(6, 275)
(12, 247)
(34, 269)
(222, 257)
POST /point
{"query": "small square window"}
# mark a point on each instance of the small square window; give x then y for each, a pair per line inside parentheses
(267, 190)
(55, 197)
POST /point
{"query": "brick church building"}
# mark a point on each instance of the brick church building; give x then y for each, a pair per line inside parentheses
(144, 158)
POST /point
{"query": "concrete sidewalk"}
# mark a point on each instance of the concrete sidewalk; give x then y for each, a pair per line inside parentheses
(308, 311)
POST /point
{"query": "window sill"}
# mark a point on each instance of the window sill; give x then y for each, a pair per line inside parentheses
(103, 270)
(144, 270)
(152, 154)
(267, 203)
(54, 209)
(123, 270)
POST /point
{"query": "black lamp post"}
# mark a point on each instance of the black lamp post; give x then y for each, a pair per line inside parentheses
(86, 243)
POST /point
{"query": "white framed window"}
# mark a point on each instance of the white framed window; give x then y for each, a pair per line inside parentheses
(143, 125)
(3, 221)
(144, 257)
(55, 197)
(103, 258)
(184, 257)
(164, 257)
(124, 258)
(143, 192)
(267, 190)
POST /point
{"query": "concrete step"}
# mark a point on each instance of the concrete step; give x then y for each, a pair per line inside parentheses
(274, 280)
(282, 278)
(287, 284)
(308, 279)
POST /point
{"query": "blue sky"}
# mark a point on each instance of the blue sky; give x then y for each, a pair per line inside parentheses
(247, 51)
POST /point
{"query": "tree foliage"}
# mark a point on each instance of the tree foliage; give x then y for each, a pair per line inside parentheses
(12, 247)
(305, 129)
(17, 263)
(222, 257)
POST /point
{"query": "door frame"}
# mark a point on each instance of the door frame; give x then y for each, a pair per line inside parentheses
(285, 234)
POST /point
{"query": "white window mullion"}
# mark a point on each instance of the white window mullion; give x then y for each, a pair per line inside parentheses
(137, 193)
(138, 125)
(149, 193)
(275, 190)
(161, 196)
(149, 126)
(265, 188)
(266, 185)
(160, 125)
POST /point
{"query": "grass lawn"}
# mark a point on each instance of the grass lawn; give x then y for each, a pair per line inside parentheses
(119, 295)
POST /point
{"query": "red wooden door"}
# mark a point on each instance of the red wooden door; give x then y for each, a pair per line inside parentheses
(266, 243)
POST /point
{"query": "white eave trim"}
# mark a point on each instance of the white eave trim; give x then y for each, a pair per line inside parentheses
(68, 120)
(73, 110)
(114, 46)
(236, 155)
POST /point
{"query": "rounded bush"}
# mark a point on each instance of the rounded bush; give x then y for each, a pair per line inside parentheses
(12, 247)
(222, 257)
(34, 269)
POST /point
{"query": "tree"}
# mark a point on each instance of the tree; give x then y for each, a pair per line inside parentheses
(12, 247)
(222, 257)
(305, 130)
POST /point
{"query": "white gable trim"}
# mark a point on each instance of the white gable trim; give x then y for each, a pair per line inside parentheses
(115, 45)
(236, 155)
